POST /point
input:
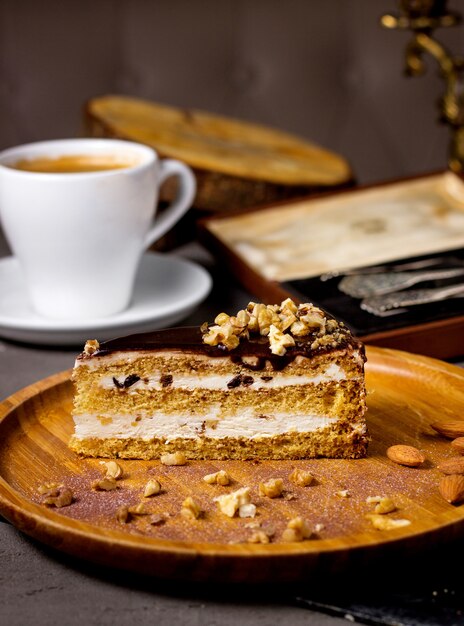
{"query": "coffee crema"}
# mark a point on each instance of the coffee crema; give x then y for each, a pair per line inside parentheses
(74, 163)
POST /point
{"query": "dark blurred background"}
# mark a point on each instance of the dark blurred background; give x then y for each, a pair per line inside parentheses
(323, 69)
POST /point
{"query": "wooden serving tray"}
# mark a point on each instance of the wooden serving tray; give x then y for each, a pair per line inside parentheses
(405, 394)
(281, 249)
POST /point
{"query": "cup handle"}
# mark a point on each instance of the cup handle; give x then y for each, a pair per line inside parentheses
(185, 196)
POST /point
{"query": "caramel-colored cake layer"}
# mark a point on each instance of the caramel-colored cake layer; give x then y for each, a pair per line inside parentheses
(332, 442)
(341, 399)
(143, 364)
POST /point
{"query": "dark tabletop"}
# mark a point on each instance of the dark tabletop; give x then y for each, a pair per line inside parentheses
(41, 586)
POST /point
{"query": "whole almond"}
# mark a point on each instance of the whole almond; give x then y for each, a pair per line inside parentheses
(452, 488)
(458, 445)
(405, 455)
(455, 465)
(450, 429)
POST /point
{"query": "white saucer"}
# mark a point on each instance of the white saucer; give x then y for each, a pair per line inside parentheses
(167, 289)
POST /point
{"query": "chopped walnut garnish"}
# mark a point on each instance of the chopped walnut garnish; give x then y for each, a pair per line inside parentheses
(58, 497)
(156, 520)
(90, 347)
(318, 528)
(299, 329)
(123, 515)
(282, 323)
(223, 335)
(105, 484)
(279, 341)
(259, 536)
(300, 477)
(344, 493)
(383, 504)
(239, 500)
(297, 530)
(218, 478)
(312, 316)
(152, 488)
(113, 470)
(49, 489)
(288, 307)
(174, 458)
(190, 509)
(380, 522)
(139, 509)
(272, 488)
(247, 510)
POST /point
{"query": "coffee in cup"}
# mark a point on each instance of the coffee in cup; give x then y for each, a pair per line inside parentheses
(79, 213)
(73, 163)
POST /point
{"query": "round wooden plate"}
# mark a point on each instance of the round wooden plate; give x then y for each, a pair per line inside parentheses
(405, 394)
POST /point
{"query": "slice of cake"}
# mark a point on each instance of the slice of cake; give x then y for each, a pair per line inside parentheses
(273, 382)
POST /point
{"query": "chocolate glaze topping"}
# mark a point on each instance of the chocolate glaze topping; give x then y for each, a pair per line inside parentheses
(189, 339)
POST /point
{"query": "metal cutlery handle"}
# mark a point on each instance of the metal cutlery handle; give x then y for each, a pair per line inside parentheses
(410, 298)
(379, 284)
(380, 269)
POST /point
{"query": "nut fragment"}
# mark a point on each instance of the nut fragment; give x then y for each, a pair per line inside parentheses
(218, 478)
(139, 509)
(259, 536)
(297, 530)
(247, 510)
(90, 347)
(272, 488)
(156, 520)
(105, 484)
(123, 515)
(458, 445)
(174, 458)
(301, 477)
(279, 341)
(221, 319)
(152, 488)
(49, 489)
(190, 509)
(452, 488)
(344, 493)
(59, 498)
(383, 504)
(380, 522)
(113, 470)
(405, 455)
(239, 500)
(455, 465)
(451, 429)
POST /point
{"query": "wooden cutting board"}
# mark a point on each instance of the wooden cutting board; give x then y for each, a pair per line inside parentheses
(237, 164)
(406, 393)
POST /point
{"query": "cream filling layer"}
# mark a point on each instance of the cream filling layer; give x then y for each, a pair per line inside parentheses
(132, 356)
(246, 423)
(261, 380)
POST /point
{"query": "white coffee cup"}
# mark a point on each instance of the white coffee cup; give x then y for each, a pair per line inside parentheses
(79, 236)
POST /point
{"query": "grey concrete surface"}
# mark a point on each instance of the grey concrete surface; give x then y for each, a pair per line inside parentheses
(39, 587)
